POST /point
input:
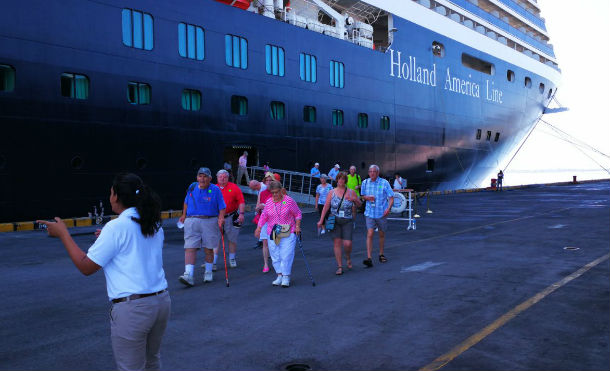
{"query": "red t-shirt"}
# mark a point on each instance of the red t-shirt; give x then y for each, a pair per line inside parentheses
(233, 197)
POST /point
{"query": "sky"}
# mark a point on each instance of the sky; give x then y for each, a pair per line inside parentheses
(580, 34)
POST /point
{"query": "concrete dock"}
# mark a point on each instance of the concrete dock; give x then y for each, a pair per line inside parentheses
(513, 280)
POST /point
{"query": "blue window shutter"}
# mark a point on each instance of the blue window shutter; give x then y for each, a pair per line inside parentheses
(127, 28)
(148, 32)
(190, 34)
(137, 30)
(200, 44)
(182, 39)
(268, 59)
(228, 50)
(244, 53)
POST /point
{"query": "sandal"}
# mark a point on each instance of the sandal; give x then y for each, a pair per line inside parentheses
(383, 259)
(368, 262)
(349, 264)
(339, 271)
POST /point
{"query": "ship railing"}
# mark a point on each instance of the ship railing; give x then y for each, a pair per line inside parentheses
(300, 186)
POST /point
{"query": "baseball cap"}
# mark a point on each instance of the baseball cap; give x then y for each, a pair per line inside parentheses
(204, 170)
(277, 177)
(316, 164)
(337, 166)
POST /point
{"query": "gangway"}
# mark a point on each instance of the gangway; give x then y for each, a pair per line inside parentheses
(300, 186)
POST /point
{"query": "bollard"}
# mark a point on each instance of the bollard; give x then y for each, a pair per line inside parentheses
(574, 179)
(428, 211)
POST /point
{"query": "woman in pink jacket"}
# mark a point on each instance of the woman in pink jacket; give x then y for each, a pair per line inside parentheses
(280, 213)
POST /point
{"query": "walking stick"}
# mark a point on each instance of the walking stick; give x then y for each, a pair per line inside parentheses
(224, 255)
(313, 283)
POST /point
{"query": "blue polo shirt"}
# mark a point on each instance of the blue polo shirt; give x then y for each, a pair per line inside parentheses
(206, 202)
(315, 172)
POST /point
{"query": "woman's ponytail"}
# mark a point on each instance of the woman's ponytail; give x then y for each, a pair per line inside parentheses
(132, 192)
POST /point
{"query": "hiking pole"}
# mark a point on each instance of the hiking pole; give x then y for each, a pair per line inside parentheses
(224, 255)
(313, 283)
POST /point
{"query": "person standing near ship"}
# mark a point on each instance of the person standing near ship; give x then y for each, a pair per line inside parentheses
(333, 174)
(129, 249)
(380, 197)
(500, 178)
(399, 182)
(242, 168)
(354, 181)
(203, 216)
(236, 207)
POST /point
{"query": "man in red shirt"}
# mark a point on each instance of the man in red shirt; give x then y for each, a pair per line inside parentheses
(234, 199)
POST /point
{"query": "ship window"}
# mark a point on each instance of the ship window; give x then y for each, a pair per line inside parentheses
(541, 88)
(363, 120)
(478, 134)
(74, 86)
(337, 74)
(137, 29)
(274, 60)
(191, 41)
(277, 110)
(308, 67)
(510, 76)
(191, 100)
(239, 105)
(138, 93)
(385, 122)
(236, 51)
(528, 83)
(497, 137)
(309, 114)
(430, 167)
(438, 49)
(488, 135)
(478, 64)
(7, 78)
(337, 117)
(550, 93)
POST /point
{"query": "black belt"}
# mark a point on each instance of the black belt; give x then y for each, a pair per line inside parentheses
(137, 296)
(202, 216)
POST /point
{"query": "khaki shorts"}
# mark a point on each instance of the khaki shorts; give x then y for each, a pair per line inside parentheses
(200, 233)
(231, 231)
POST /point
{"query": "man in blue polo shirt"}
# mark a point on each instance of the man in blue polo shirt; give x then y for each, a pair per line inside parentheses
(379, 199)
(203, 215)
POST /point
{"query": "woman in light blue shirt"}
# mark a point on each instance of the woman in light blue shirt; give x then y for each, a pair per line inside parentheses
(321, 193)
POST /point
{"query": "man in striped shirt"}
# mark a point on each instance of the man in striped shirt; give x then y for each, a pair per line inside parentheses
(380, 198)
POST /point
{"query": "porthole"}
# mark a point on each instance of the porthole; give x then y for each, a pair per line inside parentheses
(488, 135)
(141, 163)
(497, 137)
(550, 93)
(541, 88)
(76, 163)
(528, 82)
(478, 134)
(510, 76)
(438, 49)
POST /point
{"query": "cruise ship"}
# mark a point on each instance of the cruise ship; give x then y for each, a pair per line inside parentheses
(442, 91)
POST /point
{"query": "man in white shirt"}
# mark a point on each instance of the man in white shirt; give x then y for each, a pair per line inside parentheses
(242, 170)
(399, 182)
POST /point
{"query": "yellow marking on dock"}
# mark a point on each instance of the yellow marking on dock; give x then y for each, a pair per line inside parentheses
(165, 215)
(474, 339)
(24, 226)
(7, 227)
(69, 222)
(82, 222)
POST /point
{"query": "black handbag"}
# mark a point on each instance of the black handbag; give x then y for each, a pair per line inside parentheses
(330, 222)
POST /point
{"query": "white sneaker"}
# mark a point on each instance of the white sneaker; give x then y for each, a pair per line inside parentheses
(278, 281)
(214, 267)
(187, 279)
(285, 281)
(323, 231)
(207, 276)
(233, 263)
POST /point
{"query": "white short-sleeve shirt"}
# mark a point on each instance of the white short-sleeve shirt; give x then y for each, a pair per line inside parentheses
(132, 263)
